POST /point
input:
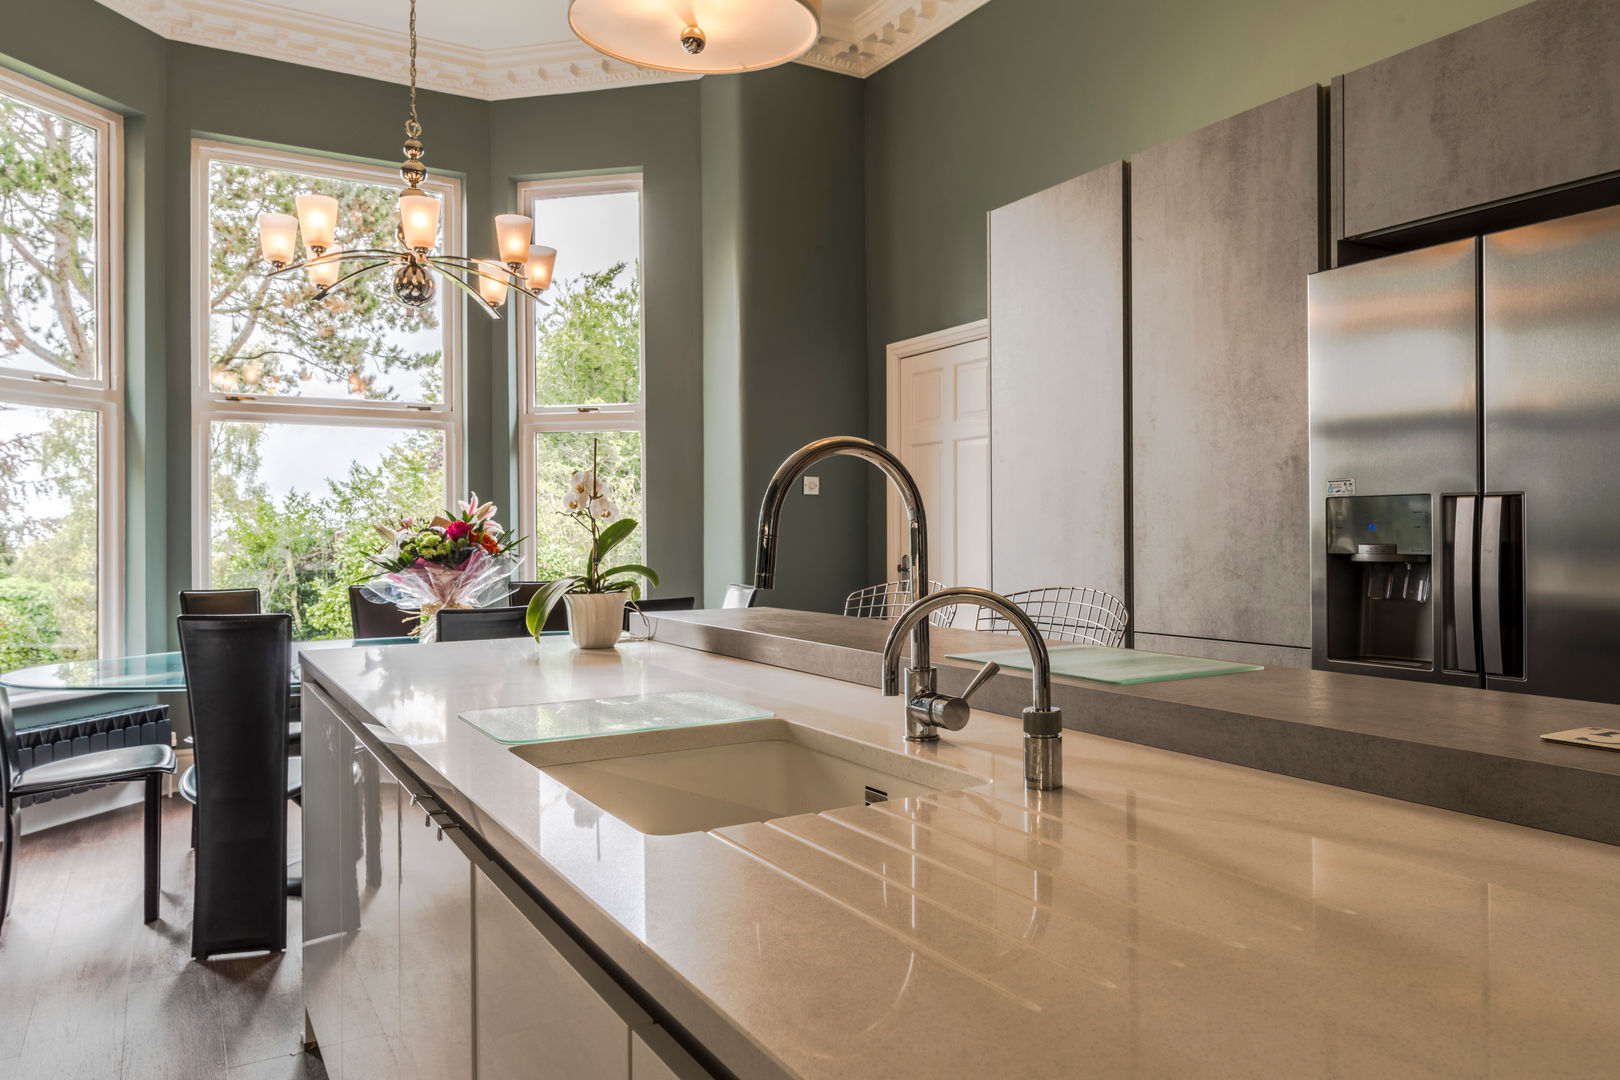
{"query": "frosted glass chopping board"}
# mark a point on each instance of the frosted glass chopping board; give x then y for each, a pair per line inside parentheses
(586, 717)
(1117, 666)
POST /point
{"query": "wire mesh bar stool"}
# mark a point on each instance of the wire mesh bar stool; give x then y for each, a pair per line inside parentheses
(1065, 613)
(889, 600)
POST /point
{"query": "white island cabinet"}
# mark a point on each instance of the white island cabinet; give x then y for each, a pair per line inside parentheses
(396, 894)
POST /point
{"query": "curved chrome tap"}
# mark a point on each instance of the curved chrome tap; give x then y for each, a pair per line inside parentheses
(927, 710)
(921, 674)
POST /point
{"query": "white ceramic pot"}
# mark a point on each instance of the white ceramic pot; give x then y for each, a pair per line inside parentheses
(595, 620)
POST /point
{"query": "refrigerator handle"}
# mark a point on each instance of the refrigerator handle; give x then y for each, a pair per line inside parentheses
(1460, 589)
(1490, 582)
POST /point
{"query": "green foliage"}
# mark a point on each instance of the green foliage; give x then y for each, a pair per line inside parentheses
(588, 343)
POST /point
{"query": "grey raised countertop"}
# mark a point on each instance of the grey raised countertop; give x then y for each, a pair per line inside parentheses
(1474, 751)
(1161, 916)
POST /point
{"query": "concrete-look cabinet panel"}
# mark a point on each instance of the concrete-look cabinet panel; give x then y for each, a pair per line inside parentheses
(1225, 226)
(1057, 386)
(1523, 102)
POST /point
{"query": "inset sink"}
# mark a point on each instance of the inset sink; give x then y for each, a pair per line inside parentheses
(700, 778)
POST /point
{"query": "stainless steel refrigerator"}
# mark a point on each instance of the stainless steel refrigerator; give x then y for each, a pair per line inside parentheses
(1465, 462)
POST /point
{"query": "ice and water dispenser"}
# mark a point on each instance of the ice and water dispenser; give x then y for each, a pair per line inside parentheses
(1379, 550)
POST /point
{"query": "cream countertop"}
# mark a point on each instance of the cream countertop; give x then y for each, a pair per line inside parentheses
(1162, 916)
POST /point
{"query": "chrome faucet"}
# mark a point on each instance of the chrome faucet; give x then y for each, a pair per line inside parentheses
(928, 710)
(921, 674)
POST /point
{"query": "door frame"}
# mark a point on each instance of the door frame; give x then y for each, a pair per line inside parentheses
(894, 517)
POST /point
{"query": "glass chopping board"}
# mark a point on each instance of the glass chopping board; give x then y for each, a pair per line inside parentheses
(585, 717)
(1117, 666)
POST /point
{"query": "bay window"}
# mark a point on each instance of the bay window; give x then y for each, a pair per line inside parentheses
(313, 420)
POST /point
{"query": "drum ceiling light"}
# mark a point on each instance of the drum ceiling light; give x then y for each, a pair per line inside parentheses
(703, 37)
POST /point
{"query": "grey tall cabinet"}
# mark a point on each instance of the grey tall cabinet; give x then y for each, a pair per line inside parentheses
(1057, 386)
(1225, 227)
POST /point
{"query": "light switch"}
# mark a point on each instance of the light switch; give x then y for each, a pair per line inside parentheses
(812, 485)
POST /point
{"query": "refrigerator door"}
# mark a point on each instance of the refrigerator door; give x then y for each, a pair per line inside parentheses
(1394, 376)
(1552, 450)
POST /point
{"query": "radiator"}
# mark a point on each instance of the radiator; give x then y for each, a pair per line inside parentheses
(142, 725)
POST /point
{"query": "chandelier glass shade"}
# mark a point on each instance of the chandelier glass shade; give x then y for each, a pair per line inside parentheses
(416, 268)
(705, 37)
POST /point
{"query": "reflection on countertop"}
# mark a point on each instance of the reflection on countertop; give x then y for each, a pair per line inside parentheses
(1161, 916)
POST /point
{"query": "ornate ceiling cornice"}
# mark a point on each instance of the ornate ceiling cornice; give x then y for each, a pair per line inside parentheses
(858, 46)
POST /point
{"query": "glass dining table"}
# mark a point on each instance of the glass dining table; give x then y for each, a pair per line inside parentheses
(149, 673)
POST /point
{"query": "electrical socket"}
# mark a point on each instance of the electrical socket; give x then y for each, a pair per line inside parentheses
(812, 485)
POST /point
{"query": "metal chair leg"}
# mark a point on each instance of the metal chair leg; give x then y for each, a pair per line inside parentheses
(154, 836)
(8, 823)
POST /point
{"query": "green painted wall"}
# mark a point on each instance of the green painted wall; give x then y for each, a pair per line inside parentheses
(1023, 94)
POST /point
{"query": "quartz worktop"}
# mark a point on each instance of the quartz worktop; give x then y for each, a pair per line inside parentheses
(1460, 748)
(1161, 916)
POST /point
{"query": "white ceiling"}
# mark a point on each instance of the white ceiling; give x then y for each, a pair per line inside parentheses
(495, 49)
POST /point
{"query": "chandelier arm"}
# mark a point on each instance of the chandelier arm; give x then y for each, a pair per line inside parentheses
(348, 255)
(449, 275)
(321, 293)
(514, 283)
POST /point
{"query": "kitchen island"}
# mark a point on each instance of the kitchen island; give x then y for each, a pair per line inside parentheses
(1163, 915)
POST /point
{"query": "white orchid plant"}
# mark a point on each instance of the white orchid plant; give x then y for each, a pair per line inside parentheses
(590, 504)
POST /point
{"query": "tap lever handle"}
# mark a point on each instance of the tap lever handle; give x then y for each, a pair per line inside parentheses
(986, 673)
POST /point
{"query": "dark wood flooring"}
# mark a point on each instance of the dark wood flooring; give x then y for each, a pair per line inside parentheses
(89, 992)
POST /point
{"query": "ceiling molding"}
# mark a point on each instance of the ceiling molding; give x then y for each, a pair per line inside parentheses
(854, 45)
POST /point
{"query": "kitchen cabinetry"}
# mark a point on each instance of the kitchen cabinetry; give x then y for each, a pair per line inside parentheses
(1516, 104)
(394, 985)
(1057, 377)
(1225, 226)
(542, 1007)
(387, 914)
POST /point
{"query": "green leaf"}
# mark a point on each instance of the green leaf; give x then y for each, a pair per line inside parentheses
(546, 600)
(632, 568)
(612, 536)
(631, 586)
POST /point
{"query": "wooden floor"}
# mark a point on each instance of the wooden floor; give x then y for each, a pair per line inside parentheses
(89, 992)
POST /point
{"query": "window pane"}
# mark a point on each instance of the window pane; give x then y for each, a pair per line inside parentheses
(559, 541)
(48, 548)
(588, 342)
(292, 508)
(264, 334)
(47, 242)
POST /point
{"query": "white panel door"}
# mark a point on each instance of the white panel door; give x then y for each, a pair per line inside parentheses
(940, 427)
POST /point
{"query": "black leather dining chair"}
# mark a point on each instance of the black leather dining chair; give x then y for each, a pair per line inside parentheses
(148, 763)
(237, 683)
(524, 592)
(219, 601)
(371, 619)
(482, 624)
(657, 604)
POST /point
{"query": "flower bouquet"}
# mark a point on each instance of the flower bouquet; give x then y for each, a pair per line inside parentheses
(460, 559)
(595, 598)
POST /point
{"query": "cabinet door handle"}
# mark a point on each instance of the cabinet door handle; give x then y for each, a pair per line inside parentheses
(1490, 582)
(1462, 584)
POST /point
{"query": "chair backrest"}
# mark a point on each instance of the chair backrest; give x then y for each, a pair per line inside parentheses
(890, 600)
(10, 769)
(482, 624)
(524, 592)
(238, 670)
(1066, 613)
(740, 596)
(662, 603)
(219, 601)
(371, 619)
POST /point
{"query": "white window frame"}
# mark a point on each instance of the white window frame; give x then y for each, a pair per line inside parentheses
(209, 405)
(536, 419)
(103, 396)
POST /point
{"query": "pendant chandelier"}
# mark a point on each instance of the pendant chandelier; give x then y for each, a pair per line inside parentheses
(705, 37)
(523, 265)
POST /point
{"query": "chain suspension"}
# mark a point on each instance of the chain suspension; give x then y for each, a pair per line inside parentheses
(413, 128)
